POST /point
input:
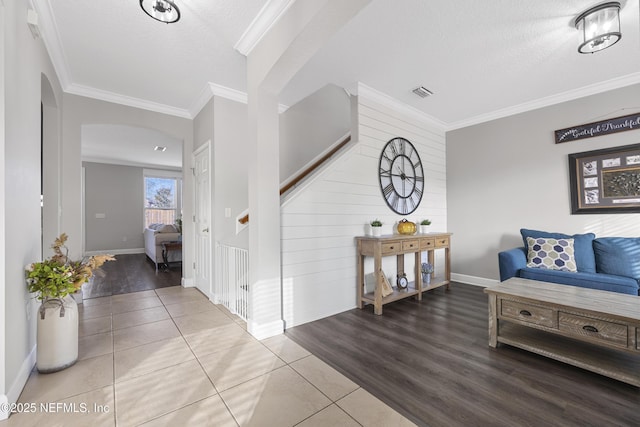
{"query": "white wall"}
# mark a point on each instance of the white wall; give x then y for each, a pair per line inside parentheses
(321, 219)
(311, 126)
(117, 192)
(24, 60)
(230, 145)
(509, 174)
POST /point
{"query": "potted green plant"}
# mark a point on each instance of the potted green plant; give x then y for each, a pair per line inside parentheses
(424, 226)
(376, 228)
(53, 281)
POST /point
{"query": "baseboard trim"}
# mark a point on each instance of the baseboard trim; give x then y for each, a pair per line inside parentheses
(18, 383)
(116, 252)
(473, 280)
(265, 330)
(187, 282)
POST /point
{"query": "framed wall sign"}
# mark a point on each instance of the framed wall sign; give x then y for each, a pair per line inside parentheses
(604, 127)
(605, 181)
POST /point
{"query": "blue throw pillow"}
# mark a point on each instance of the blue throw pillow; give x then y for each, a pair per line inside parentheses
(553, 254)
(583, 246)
(618, 255)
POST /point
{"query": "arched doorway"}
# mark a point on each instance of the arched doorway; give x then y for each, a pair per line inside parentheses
(49, 164)
(124, 167)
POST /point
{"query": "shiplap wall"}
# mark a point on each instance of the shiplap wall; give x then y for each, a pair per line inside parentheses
(321, 218)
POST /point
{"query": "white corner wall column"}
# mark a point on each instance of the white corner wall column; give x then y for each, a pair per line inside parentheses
(275, 58)
(273, 61)
(265, 301)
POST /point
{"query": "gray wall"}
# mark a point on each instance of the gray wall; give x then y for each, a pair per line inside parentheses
(23, 62)
(509, 174)
(311, 126)
(118, 192)
(231, 169)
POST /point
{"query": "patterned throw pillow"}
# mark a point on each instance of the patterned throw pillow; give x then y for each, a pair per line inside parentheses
(554, 254)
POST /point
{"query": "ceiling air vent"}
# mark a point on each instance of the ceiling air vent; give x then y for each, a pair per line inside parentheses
(422, 92)
(160, 148)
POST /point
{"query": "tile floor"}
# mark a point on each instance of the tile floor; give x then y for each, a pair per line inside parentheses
(169, 357)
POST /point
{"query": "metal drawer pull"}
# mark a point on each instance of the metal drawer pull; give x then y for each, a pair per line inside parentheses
(590, 328)
(525, 313)
(391, 247)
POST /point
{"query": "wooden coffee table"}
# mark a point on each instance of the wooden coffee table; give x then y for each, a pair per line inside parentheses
(592, 329)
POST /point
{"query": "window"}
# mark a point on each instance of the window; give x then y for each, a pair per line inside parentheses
(161, 199)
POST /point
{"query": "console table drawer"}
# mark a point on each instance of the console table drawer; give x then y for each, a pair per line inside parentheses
(391, 248)
(603, 330)
(410, 245)
(442, 242)
(426, 244)
(527, 313)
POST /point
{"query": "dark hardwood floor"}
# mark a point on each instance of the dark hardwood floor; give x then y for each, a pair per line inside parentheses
(131, 273)
(431, 362)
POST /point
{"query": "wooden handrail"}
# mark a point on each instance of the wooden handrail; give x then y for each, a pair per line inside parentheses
(302, 175)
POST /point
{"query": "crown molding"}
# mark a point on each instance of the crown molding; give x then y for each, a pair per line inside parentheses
(52, 41)
(228, 93)
(212, 89)
(570, 95)
(117, 98)
(386, 100)
(261, 24)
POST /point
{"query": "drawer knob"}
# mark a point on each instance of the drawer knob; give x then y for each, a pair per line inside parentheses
(391, 247)
(590, 328)
(525, 313)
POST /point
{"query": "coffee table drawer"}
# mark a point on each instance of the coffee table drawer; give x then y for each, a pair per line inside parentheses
(610, 332)
(527, 313)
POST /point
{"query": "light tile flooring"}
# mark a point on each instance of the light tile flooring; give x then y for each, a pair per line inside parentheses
(169, 357)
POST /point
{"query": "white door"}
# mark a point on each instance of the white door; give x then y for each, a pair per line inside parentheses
(202, 209)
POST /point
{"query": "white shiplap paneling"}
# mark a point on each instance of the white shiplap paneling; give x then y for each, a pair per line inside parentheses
(322, 218)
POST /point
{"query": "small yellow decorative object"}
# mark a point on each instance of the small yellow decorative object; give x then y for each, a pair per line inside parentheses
(406, 227)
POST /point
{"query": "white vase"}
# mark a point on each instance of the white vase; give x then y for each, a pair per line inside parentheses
(424, 229)
(367, 230)
(377, 231)
(57, 334)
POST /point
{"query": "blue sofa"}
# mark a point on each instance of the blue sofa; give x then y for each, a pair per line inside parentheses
(606, 263)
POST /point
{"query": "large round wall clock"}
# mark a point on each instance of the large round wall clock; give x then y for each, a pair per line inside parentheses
(401, 176)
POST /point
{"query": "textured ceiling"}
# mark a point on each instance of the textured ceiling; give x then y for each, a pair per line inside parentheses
(482, 59)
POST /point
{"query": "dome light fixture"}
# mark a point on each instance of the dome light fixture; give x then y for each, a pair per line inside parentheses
(600, 27)
(161, 10)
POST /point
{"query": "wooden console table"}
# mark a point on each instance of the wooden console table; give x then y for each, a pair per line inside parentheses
(399, 245)
(589, 328)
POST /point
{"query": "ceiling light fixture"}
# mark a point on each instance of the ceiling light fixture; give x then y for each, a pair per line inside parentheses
(161, 10)
(422, 92)
(600, 27)
(159, 148)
